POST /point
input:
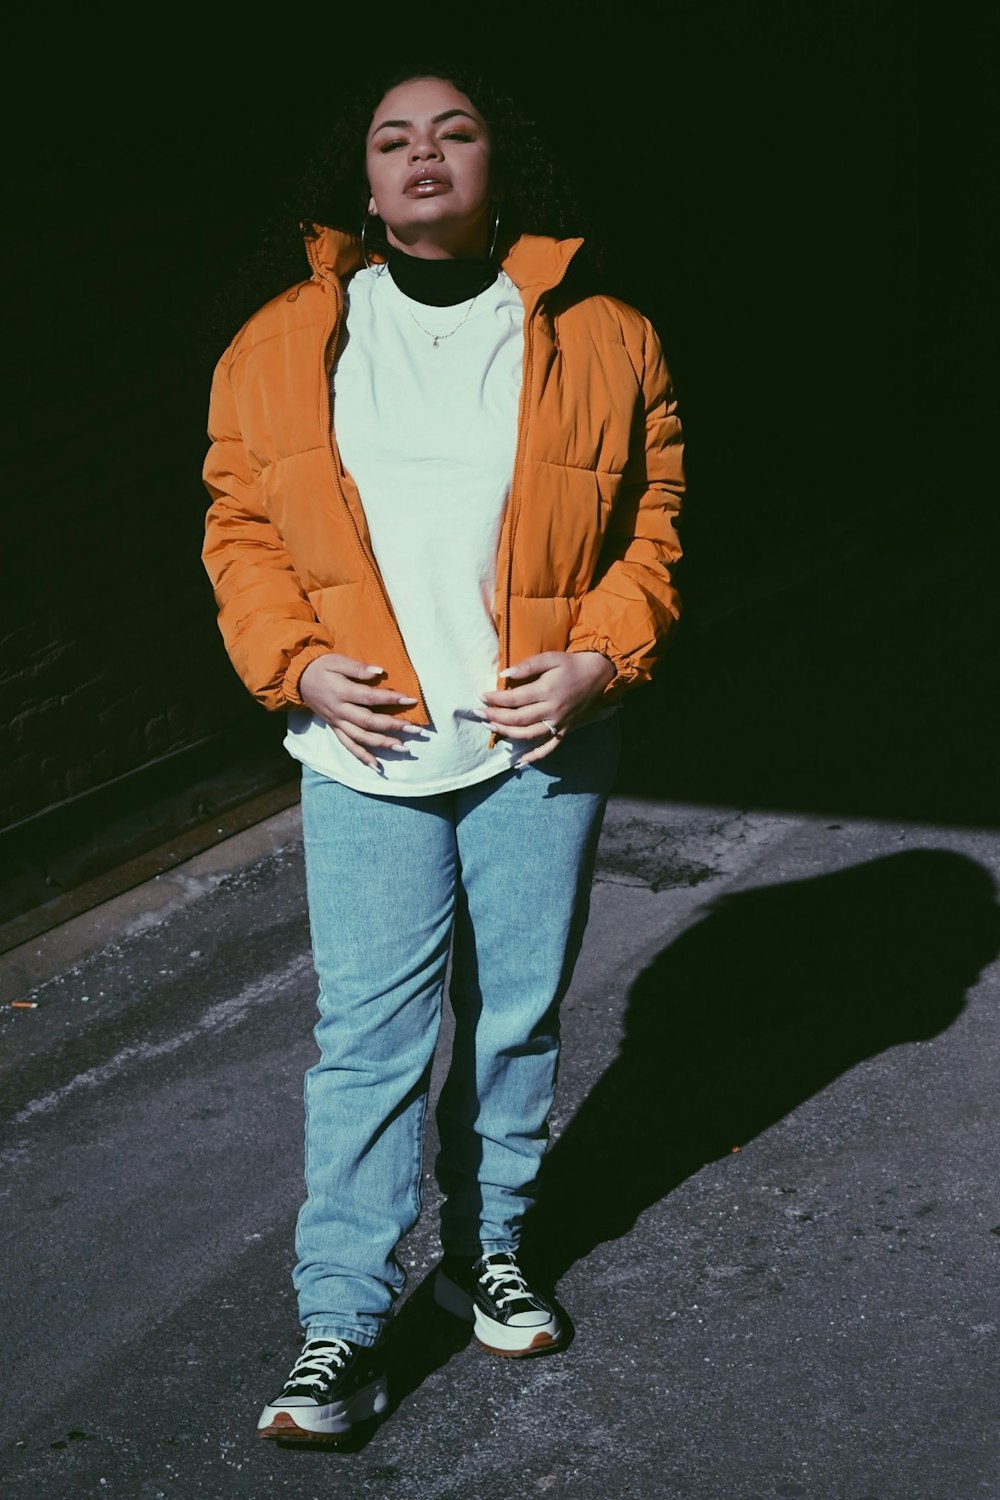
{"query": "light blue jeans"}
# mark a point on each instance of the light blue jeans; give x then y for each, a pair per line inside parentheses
(498, 873)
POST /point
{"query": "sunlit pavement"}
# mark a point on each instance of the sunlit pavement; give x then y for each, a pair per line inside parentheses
(770, 1205)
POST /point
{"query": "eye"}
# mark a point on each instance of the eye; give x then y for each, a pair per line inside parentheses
(387, 146)
(459, 135)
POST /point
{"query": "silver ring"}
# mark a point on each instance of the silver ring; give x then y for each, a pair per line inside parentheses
(556, 733)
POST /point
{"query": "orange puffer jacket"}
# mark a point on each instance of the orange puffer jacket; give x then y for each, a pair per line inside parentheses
(588, 533)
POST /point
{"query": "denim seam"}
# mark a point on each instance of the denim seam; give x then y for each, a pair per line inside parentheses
(362, 1337)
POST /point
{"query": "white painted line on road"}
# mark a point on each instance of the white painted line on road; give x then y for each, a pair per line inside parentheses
(217, 1018)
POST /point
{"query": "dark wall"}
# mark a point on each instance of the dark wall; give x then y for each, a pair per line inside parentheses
(796, 195)
(123, 719)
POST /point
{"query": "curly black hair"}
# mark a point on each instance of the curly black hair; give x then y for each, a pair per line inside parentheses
(332, 189)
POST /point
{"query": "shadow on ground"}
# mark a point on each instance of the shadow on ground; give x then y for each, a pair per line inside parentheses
(774, 993)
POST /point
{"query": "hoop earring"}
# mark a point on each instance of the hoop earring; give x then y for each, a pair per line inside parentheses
(364, 248)
(494, 232)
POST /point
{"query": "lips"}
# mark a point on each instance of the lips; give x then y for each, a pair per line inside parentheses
(423, 184)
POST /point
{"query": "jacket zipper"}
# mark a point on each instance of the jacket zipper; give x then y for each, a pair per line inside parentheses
(522, 428)
(335, 462)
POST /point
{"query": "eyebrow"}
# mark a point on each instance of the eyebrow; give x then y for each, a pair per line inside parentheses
(447, 114)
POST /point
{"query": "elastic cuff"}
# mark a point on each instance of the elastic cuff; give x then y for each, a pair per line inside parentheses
(624, 671)
(618, 684)
(293, 673)
(597, 650)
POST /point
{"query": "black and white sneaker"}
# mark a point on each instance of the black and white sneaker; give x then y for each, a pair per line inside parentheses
(491, 1293)
(331, 1385)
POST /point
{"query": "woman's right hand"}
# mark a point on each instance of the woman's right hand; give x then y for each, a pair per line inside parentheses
(339, 690)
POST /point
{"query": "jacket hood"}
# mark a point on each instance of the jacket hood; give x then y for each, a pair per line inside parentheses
(534, 262)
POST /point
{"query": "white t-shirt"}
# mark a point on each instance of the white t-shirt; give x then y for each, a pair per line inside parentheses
(428, 434)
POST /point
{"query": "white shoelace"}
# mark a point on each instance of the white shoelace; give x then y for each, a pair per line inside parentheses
(317, 1363)
(507, 1278)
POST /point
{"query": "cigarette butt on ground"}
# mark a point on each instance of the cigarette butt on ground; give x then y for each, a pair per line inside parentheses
(24, 1005)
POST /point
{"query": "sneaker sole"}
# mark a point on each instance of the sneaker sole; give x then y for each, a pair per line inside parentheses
(496, 1338)
(324, 1424)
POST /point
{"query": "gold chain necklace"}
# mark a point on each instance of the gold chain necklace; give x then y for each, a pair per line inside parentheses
(436, 338)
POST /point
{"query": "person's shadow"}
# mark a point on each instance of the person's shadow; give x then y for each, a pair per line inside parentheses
(773, 993)
(770, 996)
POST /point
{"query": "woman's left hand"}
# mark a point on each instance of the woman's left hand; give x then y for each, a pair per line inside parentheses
(553, 690)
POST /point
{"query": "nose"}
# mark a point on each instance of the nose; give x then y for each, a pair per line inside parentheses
(424, 147)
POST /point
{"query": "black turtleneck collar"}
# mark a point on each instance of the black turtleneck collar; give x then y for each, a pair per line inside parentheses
(439, 283)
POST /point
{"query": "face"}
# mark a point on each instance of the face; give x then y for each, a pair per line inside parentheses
(428, 161)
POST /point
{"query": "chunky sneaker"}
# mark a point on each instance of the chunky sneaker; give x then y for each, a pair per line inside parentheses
(491, 1293)
(331, 1385)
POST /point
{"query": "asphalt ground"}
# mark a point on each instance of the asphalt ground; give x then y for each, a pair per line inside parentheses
(770, 1205)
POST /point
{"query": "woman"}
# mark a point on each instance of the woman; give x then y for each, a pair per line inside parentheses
(444, 486)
